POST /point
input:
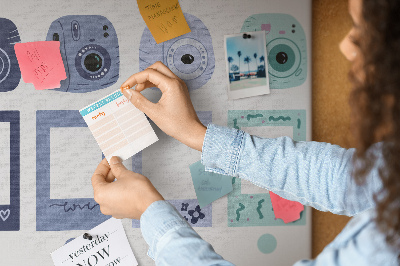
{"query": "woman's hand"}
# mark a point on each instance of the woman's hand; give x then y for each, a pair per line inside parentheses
(127, 197)
(174, 113)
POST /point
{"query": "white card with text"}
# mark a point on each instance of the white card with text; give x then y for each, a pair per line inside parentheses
(109, 246)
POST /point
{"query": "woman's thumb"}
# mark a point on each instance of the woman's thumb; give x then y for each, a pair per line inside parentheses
(117, 167)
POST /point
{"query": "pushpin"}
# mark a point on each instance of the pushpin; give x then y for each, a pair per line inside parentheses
(246, 36)
(87, 236)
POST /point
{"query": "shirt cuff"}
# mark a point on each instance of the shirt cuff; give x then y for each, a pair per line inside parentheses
(222, 147)
(158, 219)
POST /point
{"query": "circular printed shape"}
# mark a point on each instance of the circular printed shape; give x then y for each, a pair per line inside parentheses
(4, 65)
(283, 57)
(91, 61)
(266, 243)
(191, 47)
(187, 59)
(183, 56)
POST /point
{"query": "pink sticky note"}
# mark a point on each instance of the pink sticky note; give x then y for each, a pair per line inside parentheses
(41, 64)
(288, 211)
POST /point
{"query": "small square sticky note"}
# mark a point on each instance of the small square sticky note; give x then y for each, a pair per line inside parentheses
(164, 18)
(209, 186)
(41, 64)
(287, 210)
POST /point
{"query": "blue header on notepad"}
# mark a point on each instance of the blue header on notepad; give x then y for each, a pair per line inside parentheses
(101, 103)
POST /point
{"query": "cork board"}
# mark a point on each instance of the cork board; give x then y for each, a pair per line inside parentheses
(330, 108)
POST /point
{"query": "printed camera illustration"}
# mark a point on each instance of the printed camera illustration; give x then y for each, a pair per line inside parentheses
(286, 47)
(90, 52)
(10, 75)
(190, 56)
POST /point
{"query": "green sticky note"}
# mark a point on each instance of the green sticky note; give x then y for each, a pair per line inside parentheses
(209, 186)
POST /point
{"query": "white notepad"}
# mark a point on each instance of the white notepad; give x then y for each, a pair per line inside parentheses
(118, 126)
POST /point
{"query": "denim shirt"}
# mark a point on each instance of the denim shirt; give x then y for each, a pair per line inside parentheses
(312, 173)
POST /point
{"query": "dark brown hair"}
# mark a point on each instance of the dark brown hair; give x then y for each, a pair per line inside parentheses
(375, 103)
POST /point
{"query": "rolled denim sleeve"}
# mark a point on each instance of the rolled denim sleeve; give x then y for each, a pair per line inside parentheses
(172, 241)
(316, 174)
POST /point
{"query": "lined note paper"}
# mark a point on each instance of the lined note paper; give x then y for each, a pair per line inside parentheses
(118, 126)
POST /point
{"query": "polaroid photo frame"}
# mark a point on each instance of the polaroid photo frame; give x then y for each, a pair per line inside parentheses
(246, 64)
(246, 210)
(10, 214)
(189, 208)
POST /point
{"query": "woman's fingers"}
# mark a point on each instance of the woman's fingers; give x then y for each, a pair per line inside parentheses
(157, 78)
(110, 177)
(100, 175)
(160, 67)
(142, 86)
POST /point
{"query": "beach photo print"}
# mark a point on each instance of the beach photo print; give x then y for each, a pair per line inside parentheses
(246, 64)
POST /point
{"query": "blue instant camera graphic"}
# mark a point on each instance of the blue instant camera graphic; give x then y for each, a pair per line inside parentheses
(90, 52)
(190, 56)
(10, 74)
(286, 46)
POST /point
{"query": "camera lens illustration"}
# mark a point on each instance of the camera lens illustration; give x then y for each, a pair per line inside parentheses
(286, 46)
(10, 74)
(190, 56)
(284, 58)
(187, 58)
(92, 62)
(90, 52)
(4, 65)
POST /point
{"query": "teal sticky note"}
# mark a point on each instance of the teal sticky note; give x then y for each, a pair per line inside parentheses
(209, 186)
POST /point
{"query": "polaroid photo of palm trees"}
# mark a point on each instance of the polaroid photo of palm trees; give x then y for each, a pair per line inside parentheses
(246, 62)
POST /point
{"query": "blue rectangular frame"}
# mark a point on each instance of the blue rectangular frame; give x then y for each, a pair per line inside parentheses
(10, 214)
(59, 214)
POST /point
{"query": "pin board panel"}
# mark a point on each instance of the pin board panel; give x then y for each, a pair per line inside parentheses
(45, 204)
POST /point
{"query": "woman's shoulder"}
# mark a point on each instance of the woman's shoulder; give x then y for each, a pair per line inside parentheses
(361, 240)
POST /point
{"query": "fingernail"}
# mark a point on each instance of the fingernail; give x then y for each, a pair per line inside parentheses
(127, 93)
(115, 160)
(124, 88)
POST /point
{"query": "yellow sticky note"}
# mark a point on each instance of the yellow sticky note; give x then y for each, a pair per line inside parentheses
(164, 18)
